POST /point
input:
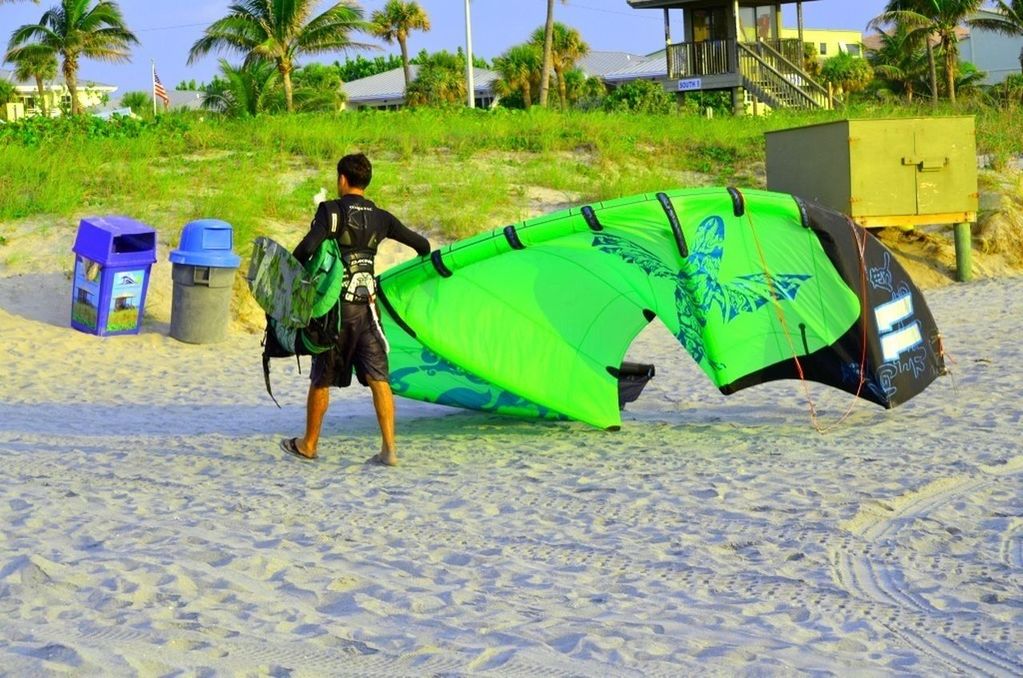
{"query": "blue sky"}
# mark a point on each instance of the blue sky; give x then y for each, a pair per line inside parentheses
(168, 28)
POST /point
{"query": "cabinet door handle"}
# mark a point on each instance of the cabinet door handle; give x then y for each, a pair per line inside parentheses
(926, 164)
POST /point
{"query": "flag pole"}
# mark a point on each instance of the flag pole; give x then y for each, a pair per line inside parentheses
(152, 85)
(470, 85)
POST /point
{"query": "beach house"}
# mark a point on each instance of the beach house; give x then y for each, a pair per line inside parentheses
(55, 96)
(387, 90)
(996, 55)
(741, 46)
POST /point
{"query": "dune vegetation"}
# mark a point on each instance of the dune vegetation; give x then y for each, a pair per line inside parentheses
(450, 172)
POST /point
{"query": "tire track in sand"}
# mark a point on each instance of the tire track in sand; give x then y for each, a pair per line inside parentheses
(965, 640)
(1011, 548)
(215, 649)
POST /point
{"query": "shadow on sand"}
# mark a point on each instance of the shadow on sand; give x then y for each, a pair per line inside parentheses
(46, 298)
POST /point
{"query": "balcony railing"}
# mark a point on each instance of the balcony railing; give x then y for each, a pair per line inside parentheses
(719, 57)
(694, 59)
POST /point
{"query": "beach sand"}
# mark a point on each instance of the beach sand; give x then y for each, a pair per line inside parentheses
(149, 523)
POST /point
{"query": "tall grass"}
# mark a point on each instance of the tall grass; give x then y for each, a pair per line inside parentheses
(453, 172)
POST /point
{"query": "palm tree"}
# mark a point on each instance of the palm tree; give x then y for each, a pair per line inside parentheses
(548, 44)
(39, 64)
(970, 80)
(439, 81)
(1009, 23)
(7, 93)
(939, 18)
(567, 47)
(519, 68)
(139, 103)
(850, 74)
(900, 59)
(583, 89)
(278, 31)
(318, 88)
(241, 91)
(395, 21)
(75, 29)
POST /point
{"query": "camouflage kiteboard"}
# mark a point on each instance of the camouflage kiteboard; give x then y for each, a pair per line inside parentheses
(280, 284)
(302, 303)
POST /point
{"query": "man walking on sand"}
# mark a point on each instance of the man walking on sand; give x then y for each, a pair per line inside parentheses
(358, 226)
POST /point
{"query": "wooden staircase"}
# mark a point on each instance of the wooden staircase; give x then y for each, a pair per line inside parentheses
(776, 81)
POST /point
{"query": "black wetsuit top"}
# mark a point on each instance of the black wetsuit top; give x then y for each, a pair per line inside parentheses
(358, 226)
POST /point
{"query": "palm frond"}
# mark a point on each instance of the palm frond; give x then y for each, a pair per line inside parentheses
(232, 33)
(331, 30)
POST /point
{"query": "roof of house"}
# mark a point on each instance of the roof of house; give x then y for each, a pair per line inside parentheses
(387, 85)
(178, 99)
(8, 75)
(185, 99)
(872, 42)
(597, 64)
(390, 85)
(655, 66)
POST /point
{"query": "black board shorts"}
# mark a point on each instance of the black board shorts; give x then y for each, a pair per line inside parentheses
(361, 347)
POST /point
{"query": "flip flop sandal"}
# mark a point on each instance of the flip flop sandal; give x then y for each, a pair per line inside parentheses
(290, 445)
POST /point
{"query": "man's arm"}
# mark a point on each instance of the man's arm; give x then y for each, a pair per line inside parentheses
(406, 236)
(318, 230)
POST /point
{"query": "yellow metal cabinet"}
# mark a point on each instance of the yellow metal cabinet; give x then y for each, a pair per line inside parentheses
(887, 172)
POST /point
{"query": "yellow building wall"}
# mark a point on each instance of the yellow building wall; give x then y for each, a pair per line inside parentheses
(33, 105)
(833, 40)
(12, 111)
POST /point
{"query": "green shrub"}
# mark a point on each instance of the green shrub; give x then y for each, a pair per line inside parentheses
(7, 92)
(848, 73)
(640, 96)
(36, 130)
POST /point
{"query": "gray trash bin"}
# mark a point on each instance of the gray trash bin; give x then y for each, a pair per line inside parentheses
(204, 268)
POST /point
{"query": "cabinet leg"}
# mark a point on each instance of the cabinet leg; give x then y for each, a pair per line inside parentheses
(964, 244)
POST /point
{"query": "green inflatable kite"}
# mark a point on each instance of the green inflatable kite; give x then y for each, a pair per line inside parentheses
(534, 319)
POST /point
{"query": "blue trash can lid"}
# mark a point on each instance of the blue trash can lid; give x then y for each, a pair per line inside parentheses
(115, 241)
(206, 242)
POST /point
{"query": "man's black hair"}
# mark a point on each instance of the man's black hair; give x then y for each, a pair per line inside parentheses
(357, 169)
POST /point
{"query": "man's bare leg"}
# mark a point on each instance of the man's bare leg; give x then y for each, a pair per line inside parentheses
(315, 408)
(383, 403)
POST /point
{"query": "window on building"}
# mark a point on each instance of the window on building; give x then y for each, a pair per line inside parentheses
(758, 23)
(824, 49)
(852, 49)
(748, 23)
(765, 23)
(710, 24)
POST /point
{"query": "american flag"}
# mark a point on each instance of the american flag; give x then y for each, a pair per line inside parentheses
(158, 90)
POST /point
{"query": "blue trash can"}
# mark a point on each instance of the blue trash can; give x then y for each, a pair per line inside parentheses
(113, 257)
(204, 268)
